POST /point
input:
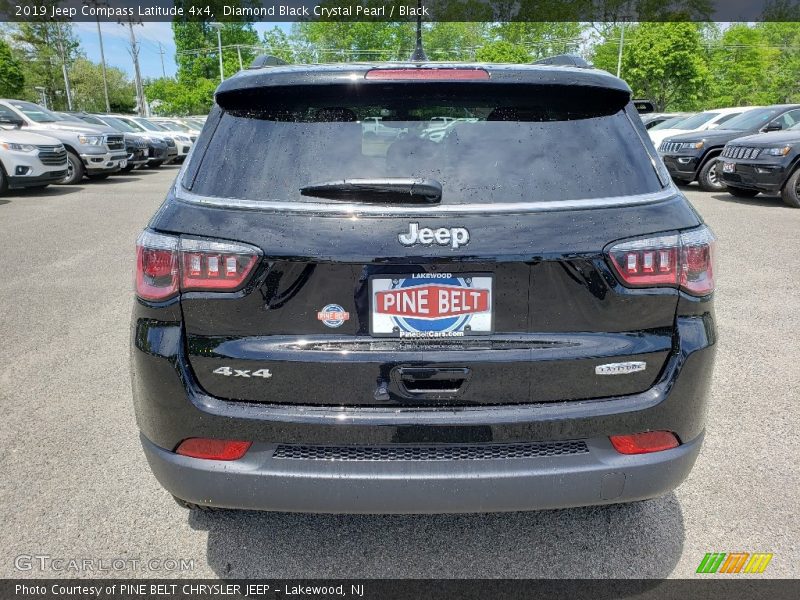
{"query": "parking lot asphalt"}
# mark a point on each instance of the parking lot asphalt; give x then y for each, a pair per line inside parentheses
(75, 484)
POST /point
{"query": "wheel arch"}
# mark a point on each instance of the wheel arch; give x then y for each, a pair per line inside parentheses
(710, 154)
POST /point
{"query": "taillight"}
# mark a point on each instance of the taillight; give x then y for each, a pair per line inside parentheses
(644, 443)
(166, 265)
(432, 74)
(156, 266)
(209, 265)
(211, 449)
(685, 260)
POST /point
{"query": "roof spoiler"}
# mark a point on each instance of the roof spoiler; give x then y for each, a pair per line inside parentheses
(266, 60)
(644, 106)
(565, 60)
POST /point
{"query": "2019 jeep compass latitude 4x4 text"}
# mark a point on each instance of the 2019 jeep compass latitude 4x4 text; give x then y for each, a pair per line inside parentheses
(516, 315)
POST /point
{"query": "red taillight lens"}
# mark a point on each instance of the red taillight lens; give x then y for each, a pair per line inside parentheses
(210, 265)
(644, 443)
(432, 74)
(684, 260)
(697, 261)
(156, 266)
(210, 449)
(167, 265)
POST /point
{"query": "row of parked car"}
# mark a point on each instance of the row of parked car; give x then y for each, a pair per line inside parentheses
(744, 150)
(39, 147)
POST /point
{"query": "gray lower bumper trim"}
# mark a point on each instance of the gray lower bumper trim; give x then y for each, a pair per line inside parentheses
(261, 482)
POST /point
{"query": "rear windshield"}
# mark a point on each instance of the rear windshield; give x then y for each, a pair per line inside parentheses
(483, 144)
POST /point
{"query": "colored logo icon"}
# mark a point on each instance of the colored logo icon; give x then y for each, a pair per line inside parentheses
(734, 562)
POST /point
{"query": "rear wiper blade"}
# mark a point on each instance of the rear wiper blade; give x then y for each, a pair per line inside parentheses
(400, 190)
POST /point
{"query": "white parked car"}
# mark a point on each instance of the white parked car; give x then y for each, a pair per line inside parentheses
(28, 160)
(703, 121)
(183, 141)
(96, 151)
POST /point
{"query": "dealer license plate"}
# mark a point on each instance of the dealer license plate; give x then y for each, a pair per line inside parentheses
(431, 305)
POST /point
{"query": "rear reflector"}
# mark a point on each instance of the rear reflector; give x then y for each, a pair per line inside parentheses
(644, 443)
(166, 265)
(685, 261)
(213, 449)
(428, 74)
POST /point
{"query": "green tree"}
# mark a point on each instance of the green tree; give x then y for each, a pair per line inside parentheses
(12, 79)
(664, 62)
(87, 88)
(502, 52)
(542, 38)
(41, 47)
(449, 40)
(277, 43)
(197, 54)
(783, 74)
(741, 65)
(168, 96)
(328, 41)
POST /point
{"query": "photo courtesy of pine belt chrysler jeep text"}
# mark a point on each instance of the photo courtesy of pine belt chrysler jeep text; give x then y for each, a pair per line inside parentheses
(516, 314)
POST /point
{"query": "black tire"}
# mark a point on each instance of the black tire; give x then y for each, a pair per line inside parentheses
(75, 170)
(742, 192)
(98, 176)
(127, 169)
(791, 190)
(681, 181)
(191, 506)
(155, 165)
(709, 178)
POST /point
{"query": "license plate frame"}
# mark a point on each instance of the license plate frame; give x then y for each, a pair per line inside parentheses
(456, 286)
(728, 167)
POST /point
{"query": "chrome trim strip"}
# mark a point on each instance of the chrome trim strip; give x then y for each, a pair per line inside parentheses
(339, 209)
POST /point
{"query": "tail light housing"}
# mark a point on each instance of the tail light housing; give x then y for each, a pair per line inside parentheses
(684, 260)
(167, 265)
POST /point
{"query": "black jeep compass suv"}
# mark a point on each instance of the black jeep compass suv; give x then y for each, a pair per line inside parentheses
(500, 303)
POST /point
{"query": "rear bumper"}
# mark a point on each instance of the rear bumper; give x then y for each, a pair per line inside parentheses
(170, 406)
(260, 481)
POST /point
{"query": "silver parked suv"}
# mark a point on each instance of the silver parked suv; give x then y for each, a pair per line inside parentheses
(92, 150)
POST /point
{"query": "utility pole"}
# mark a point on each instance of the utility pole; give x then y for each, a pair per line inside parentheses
(97, 3)
(63, 53)
(621, 44)
(239, 53)
(218, 27)
(137, 74)
(419, 52)
(161, 52)
(103, 64)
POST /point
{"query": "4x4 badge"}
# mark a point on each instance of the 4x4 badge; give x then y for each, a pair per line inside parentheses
(453, 237)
